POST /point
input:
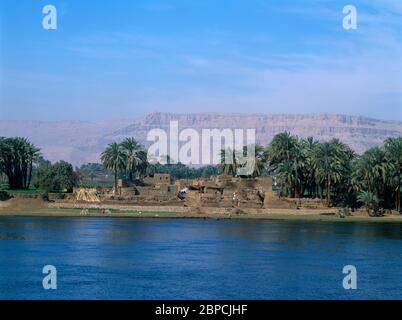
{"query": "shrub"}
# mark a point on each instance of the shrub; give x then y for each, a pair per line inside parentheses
(45, 196)
(4, 196)
(344, 212)
(57, 177)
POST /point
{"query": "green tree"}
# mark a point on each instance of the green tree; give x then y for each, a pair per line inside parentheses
(233, 160)
(369, 171)
(286, 159)
(330, 161)
(32, 156)
(228, 163)
(308, 172)
(17, 157)
(135, 156)
(393, 155)
(57, 177)
(285, 175)
(259, 159)
(281, 148)
(114, 158)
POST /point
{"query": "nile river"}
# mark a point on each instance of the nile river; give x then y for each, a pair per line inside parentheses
(122, 258)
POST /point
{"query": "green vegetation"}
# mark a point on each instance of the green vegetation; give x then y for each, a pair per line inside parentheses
(181, 171)
(344, 212)
(369, 200)
(301, 168)
(129, 159)
(136, 157)
(307, 166)
(330, 170)
(129, 156)
(232, 161)
(114, 158)
(92, 172)
(96, 184)
(31, 190)
(17, 156)
(4, 195)
(57, 177)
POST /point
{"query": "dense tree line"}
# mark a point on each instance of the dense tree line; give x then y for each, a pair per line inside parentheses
(301, 167)
(17, 158)
(330, 170)
(181, 171)
(93, 172)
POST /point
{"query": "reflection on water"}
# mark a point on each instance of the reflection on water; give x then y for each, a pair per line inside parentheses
(120, 258)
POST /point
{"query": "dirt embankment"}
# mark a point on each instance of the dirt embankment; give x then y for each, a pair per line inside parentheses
(23, 203)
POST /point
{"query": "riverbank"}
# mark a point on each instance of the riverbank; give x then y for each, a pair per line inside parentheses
(278, 215)
(40, 208)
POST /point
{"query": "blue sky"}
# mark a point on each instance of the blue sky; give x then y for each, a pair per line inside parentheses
(123, 59)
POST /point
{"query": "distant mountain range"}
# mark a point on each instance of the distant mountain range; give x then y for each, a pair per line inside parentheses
(80, 142)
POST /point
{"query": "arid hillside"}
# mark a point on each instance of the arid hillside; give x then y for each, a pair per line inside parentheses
(80, 142)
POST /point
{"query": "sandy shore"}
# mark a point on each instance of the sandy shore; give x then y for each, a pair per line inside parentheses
(38, 208)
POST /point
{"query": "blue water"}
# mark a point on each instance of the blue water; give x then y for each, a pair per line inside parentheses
(118, 258)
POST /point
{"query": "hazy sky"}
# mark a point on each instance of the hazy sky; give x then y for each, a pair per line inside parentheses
(124, 58)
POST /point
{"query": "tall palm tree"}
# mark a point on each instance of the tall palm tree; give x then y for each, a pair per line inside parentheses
(328, 164)
(228, 163)
(32, 156)
(114, 158)
(261, 156)
(369, 171)
(309, 145)
(393, 154)
(281, 148)
(287, 152)
(233, 160)
(298, 159)
(284, 154)
(134, 153)
(143, 164)
(17, 156)
(285, 175)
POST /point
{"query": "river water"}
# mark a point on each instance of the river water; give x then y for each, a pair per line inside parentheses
(122, 258)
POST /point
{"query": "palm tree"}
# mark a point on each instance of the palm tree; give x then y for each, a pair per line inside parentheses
(134, 155)
(298, 159)
(285, 154)
(261, 157)
(281, 148)
(143, 163)
(114, 158)
(256, 162)
(309, 145)
(369, 171)
(393, 154)
(32, 155)
(233, 160)
(328, 162)
(17, 156)
(285, 175)
(228, 163)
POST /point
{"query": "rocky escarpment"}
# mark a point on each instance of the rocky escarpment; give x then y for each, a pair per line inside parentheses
(80, 142)
(359, 132)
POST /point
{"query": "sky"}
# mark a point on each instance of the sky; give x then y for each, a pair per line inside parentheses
(114, 59)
